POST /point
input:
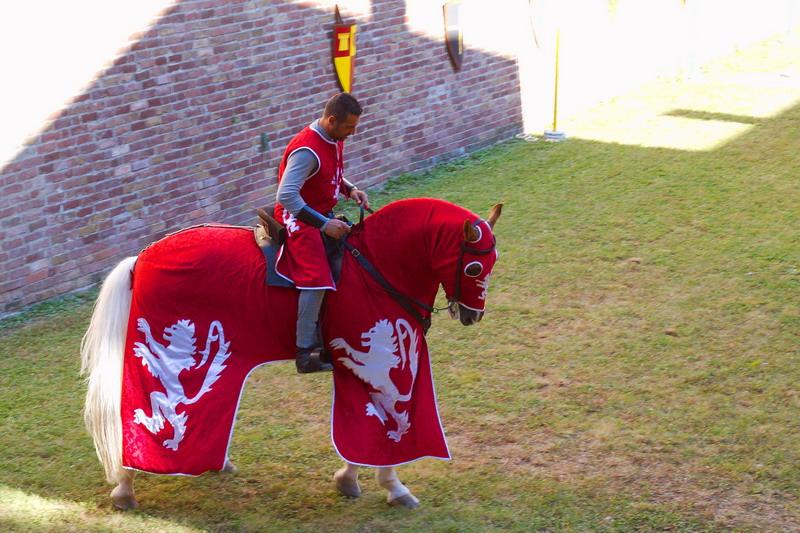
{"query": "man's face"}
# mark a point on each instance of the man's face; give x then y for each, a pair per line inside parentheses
(340, 131)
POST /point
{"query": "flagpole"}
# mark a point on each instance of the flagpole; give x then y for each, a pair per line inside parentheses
(554, 135)
(555, 91)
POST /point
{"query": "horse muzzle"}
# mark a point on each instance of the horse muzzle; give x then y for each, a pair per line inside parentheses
(466, 315)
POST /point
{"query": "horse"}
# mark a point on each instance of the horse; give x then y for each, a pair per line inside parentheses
(398, 257)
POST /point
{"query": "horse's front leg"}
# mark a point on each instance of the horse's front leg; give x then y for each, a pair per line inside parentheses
(122, 496)
(398, 494)
(229, 467)
(346, 479)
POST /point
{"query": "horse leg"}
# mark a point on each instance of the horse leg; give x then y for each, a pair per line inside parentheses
(229, 467)
(398, 494)
(122, 496)
(346, 479)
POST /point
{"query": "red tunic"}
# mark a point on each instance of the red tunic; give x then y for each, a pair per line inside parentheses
(302, 258)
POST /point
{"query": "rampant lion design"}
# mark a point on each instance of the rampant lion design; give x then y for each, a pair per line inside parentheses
(374, 366)
(166, 362)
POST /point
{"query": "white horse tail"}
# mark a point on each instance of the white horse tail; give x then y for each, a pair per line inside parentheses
(102, 349)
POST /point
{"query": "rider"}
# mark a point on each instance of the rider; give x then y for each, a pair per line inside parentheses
(310, 179)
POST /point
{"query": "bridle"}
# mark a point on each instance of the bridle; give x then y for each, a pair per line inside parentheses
(408, 303)
(466, 248)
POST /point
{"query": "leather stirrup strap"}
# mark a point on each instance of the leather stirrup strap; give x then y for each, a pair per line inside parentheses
(275, 230)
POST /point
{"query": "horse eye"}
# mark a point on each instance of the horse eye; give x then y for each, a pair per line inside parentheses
(473, 269)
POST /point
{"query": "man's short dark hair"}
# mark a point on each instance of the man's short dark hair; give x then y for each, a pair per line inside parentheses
(341, 105)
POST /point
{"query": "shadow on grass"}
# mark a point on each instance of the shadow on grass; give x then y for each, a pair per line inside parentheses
(707, 115)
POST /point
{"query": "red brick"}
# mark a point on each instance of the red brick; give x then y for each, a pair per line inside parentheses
(37, 276)
(201, 165)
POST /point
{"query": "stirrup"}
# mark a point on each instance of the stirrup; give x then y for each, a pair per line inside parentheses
(325, 355)
(307, 360)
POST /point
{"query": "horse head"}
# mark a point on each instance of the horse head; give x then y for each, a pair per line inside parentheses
(466, 293)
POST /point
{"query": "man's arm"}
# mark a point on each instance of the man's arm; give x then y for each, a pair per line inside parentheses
(346, 187)
(354, 193)
(300, 165)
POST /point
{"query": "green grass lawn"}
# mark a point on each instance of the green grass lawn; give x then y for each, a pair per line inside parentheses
(637, 369)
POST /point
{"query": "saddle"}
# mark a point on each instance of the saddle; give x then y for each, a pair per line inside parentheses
(270, 235)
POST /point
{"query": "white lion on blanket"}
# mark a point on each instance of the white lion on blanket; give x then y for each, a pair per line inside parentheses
(165, 363)
(374, 366)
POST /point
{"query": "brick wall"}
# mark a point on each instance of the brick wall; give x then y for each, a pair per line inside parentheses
(168, 135)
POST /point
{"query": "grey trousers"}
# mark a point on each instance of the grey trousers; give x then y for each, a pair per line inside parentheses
(308, 306)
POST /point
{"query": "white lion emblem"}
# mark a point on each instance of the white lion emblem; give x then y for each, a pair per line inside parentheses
(290, 222)
(165, 363)
(374, 366)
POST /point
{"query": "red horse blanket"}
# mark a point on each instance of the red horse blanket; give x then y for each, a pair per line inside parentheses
(384, 410)
(202, 319)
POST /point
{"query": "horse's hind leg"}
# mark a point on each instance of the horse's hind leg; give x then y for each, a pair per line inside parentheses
(398, 494)
(122, 496)
(346, 479)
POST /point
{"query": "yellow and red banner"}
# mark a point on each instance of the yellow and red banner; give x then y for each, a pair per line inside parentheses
(344, 54)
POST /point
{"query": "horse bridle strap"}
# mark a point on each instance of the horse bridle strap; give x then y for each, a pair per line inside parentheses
(465, 248)
(406, 302)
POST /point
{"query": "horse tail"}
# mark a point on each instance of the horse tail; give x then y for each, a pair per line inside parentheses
(102, 349)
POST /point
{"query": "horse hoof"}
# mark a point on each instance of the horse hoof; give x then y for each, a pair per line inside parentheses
(347, 486)
(409, 501)
(123, 501)
(229, 468)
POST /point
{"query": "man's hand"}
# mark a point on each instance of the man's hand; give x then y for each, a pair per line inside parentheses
(336, 228)
(360, 197)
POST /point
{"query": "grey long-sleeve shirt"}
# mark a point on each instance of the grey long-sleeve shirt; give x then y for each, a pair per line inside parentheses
(300, 165)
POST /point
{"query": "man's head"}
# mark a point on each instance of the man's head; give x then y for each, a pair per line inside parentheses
(341, 116)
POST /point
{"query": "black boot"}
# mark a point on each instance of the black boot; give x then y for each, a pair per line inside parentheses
(308, 360)
(325, 356)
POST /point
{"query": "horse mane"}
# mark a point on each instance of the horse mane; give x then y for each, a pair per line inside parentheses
(406, 214)
(438, 206)
(409, 240)
(436, 224)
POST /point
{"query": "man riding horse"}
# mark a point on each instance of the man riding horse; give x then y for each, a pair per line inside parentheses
(310, 179)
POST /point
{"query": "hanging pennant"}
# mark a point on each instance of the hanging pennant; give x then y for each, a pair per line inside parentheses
(344, 52)
(453, 36)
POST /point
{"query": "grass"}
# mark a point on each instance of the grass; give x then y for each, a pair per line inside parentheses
(636, 370)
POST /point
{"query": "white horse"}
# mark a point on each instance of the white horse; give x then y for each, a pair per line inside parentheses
(454, 266)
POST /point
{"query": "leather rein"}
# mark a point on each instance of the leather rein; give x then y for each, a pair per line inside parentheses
(408, 303)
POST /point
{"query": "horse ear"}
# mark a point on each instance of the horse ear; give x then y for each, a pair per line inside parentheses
(494, 214)
(470, 233)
